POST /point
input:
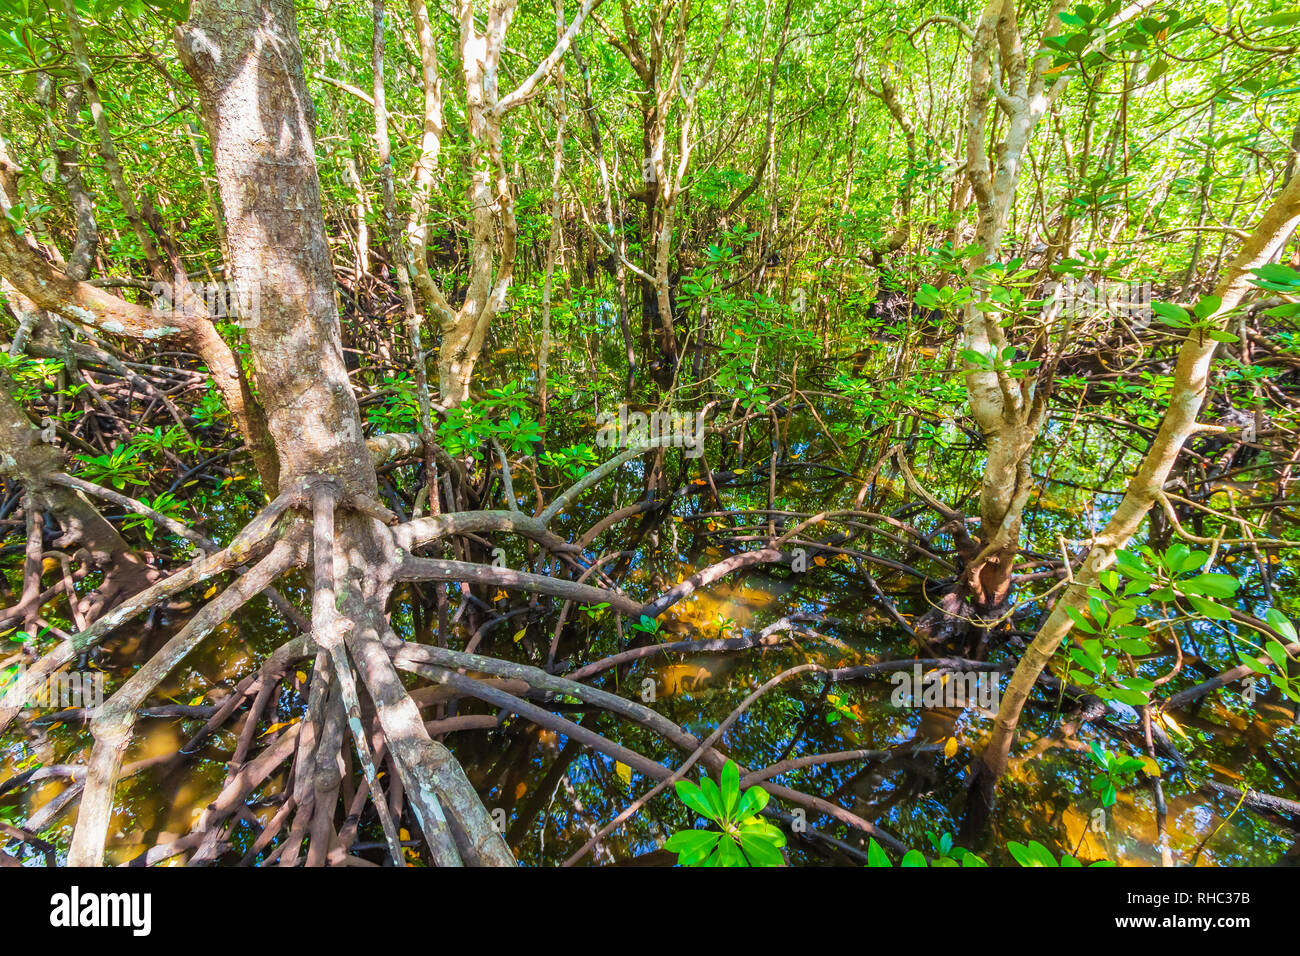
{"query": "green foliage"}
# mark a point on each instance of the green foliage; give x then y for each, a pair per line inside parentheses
(1198, 321)
(946, 854)
(1146, 593)
(399, 411)
(503, 414)
(1035, 854)
(743, 838)
(119, 468)
(1283, 661)
(164, 503)
(646, 625)
(1117, 772)
(573, 461)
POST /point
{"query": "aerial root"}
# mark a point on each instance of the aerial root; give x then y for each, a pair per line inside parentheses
(442, 665)
(113, 725)
(354, 648)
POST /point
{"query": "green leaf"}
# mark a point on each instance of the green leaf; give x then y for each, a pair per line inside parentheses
(730, 795)
(876, 856)
(753, 802)
(1020, 853)
(1278, 653)
(1215, 585)
(713, 797)
(692, 846)
(1174, 315)
(1215, 612)
(1040, 854)
(1208, 306)
(1158, 69)
(1282, 624)
(729, 854)
(1079, 620)
(693, 797)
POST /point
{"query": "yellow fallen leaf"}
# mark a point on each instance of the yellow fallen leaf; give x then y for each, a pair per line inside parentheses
(521, 789)
(302, 677)
(950, 748)
(274, 727)
(500, 594)
(1170, 724)
(209, 592)
(820, 561)
(519, 634)
(624, 772)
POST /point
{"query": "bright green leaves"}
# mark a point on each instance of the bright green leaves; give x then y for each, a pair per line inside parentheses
(164, 503)
(696, 847)
(744, 839)
(120, 467)
(999, 362)
(1147, 592)
(1031, 854)
(573, 460)
(838, 709)
(19, 213)
(1035, 854)
(947, 299)
(876, 856)
(400, 411)
(1279, 278)
(946, 854)
(1092, 35)
(503, 414)
(1099, 193)
(646, 625)
(1201, 320)
(1116, 772)
(1276, 652)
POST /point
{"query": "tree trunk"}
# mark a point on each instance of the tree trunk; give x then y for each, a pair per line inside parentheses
(244, 57)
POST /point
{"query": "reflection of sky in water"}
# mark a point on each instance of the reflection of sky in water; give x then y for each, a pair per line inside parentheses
(1045, 797)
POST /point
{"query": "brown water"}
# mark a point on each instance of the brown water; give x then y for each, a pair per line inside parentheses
(556, 795)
